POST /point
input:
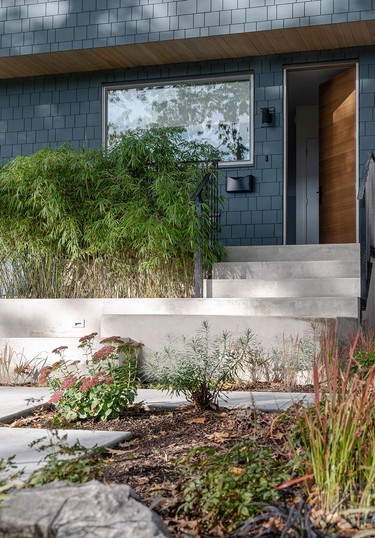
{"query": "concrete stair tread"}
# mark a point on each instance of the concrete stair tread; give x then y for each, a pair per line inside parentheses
(315, 307)
(287, 269)
(344, 252)
(297, 287)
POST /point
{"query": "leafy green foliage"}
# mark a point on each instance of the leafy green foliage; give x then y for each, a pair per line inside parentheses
(8, 476)
(364, 353)
(202, 366)
(65, 461)
(104, 223)
(104, 390)
(228, 488)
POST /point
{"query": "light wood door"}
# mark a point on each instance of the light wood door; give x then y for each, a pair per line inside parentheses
(337, 159)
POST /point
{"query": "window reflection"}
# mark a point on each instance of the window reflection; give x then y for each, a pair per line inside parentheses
(217, 112)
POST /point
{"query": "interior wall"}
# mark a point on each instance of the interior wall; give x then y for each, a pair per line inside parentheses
(306, 127)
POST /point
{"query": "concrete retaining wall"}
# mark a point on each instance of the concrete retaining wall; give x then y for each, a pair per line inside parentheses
(36, 326)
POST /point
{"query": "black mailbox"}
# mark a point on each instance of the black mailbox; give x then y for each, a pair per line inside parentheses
(240, 184)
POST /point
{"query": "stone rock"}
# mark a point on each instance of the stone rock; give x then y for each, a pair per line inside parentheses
(91, 510)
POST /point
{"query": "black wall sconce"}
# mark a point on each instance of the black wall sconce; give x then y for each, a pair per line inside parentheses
(240, 184)
(267, 116)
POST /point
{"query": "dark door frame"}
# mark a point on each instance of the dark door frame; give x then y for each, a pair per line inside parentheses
(305, 67)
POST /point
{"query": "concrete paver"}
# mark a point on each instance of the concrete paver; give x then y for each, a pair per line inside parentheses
(19, 401)
(16, 442)
(264, 401)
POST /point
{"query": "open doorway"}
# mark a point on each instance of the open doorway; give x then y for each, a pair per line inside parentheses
(320, 155)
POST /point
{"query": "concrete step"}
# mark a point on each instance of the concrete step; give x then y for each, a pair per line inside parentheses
(302, 287)
(311, 307)
(287, 269)
(345, 252)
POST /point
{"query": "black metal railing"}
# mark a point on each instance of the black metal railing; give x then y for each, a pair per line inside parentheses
(206, 199)
(366, 197)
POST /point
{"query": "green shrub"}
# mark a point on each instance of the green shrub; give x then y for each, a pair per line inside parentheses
(203, 366)
(108, 386)
(228, 488)
(116, 223)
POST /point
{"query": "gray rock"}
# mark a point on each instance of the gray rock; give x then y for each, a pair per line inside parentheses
(91, 510)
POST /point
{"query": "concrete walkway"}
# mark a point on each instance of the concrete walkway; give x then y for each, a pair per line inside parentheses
(20, 401)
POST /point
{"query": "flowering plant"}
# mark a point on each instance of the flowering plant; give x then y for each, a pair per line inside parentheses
(106, 387)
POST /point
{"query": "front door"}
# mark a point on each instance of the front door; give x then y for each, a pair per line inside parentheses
(337, 159)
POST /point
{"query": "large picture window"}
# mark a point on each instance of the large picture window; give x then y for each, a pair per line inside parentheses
(218, 111)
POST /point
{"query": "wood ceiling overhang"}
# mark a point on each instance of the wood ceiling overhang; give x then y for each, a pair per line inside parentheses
(309, 38)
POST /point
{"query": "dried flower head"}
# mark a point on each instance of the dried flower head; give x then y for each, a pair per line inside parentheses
(108, 380)
(45, 369)
(59, 350)
(88, 383)
(129, 345)
(22, 369)
(103, 353)
(69, 382)
(57, 364)
(112, 340)
(43, 374)
(56, 397)
(88, 337)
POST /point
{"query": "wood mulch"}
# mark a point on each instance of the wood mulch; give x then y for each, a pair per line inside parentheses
(149, 462)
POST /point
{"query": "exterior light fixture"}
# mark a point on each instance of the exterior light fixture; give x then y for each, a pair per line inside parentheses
(267, 116)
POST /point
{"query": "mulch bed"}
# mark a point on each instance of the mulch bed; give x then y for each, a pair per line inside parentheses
(149, 462)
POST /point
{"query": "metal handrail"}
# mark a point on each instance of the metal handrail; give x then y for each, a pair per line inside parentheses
(205, 193)
(366, 198)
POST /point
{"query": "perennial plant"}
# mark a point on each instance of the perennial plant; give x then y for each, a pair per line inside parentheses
(107, 386)
(202, 367)
(338, 432)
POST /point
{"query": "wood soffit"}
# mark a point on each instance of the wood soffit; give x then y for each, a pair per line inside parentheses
(353, 34)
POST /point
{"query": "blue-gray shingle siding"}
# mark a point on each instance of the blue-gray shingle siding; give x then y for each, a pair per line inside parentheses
(36, 112)
(30, 26)
(67, 108)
